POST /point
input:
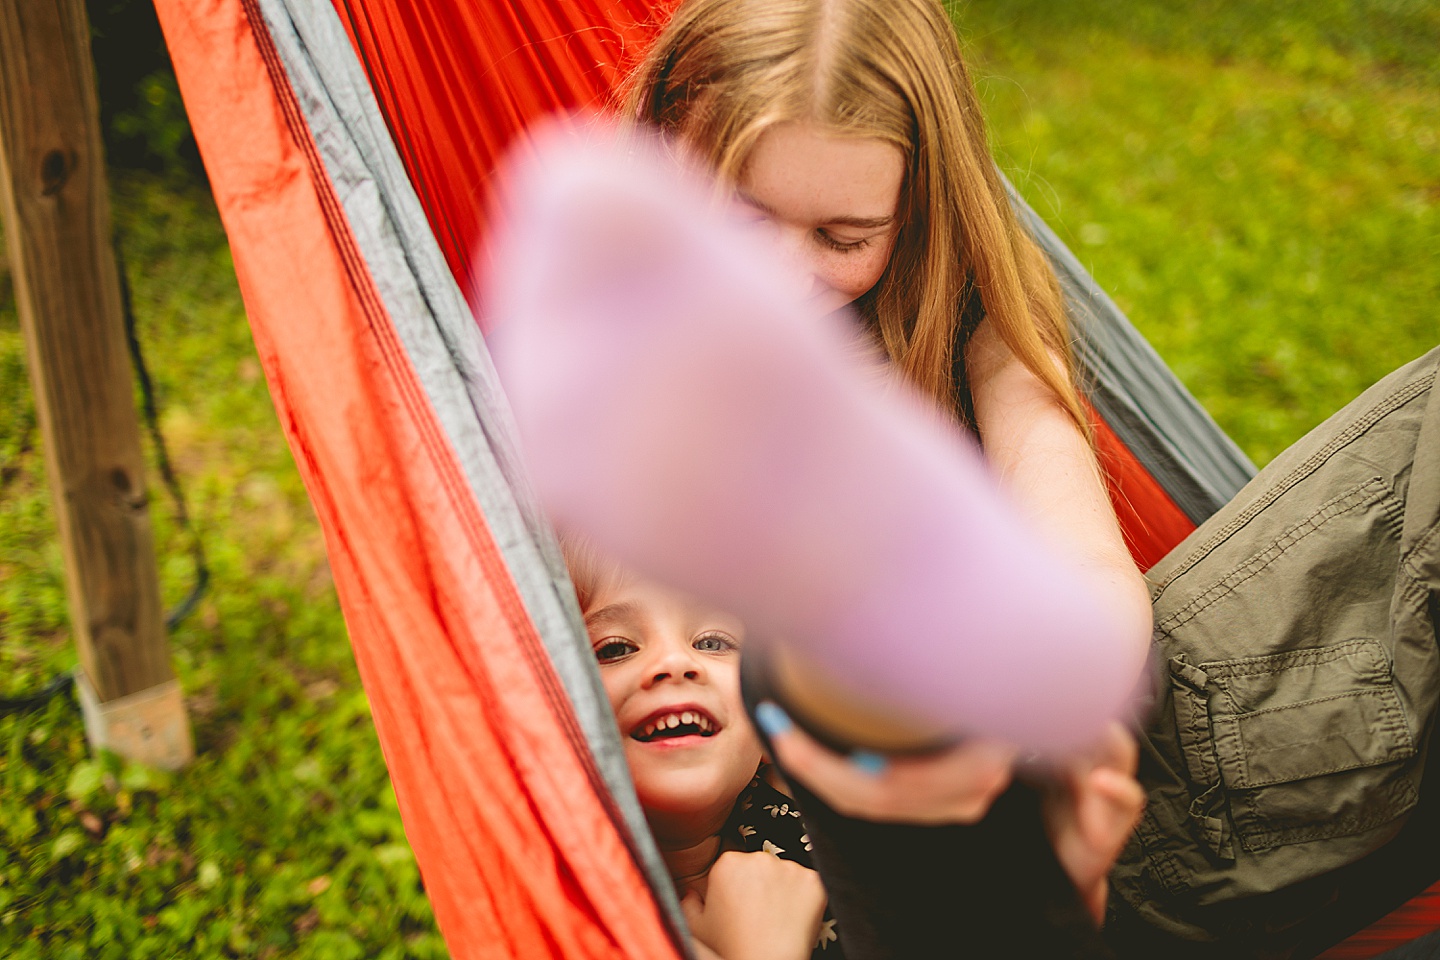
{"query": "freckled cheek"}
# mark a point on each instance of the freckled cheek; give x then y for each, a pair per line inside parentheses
(856, 273)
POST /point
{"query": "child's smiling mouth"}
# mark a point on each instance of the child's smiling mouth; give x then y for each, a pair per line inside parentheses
(672, 723)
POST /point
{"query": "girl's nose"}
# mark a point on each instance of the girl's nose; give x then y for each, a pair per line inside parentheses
(790, 244)
(674, 663)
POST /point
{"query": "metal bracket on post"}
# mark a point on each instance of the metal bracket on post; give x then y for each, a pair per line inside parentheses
(149, 727)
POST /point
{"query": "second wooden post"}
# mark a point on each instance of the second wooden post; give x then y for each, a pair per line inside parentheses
(57, 221)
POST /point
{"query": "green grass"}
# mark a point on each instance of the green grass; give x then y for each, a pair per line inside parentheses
(283, 838)
(1258, 185)
(1260, 192)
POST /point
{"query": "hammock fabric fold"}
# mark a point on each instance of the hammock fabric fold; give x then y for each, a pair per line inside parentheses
(513, 829)
(350, 149)
(458, 82)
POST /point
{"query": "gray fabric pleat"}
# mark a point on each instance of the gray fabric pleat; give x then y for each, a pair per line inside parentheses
(445, 346)
(1136, 394)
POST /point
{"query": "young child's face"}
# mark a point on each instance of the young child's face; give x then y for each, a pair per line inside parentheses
(671, 667)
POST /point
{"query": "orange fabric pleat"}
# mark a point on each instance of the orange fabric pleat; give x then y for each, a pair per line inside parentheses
(457, 81)
(512, 835)
(1415, 918)
(1149, 519)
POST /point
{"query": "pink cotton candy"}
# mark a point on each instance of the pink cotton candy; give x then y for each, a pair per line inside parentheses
(679, 408)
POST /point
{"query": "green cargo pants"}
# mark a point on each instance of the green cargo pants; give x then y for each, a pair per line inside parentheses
(1295, 637)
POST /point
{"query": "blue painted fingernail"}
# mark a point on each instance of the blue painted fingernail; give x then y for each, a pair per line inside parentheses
(772, 719)
(867, 761)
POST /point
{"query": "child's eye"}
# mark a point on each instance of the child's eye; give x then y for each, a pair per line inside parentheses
(612, 649)
(714, 643)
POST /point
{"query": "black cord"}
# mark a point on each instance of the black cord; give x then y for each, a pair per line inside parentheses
(162, 456)
(58, 685)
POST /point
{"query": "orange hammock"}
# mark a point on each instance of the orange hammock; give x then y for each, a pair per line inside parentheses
(350, 149)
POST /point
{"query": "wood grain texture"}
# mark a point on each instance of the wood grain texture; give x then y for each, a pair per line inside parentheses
(57, 223)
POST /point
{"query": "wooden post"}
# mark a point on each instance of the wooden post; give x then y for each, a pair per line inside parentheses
(57, 223)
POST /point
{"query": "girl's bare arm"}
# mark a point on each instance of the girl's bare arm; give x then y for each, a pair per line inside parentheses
(1045, 463)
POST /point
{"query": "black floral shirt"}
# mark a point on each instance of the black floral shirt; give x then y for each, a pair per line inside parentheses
(766, 820)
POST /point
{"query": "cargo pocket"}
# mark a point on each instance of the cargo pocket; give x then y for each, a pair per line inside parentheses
(1305, 745)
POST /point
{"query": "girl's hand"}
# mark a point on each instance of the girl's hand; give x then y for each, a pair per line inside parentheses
(956, 786)
(1089, 814)
(1091, 811)
(757, 907)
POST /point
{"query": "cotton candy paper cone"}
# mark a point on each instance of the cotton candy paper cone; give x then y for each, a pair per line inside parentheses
(680, 409)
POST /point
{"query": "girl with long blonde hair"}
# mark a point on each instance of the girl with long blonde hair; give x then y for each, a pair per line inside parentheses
(725, 73)
(850, 130)
(853, 128)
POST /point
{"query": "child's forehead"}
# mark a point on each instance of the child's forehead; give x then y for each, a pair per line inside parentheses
(628, 598)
